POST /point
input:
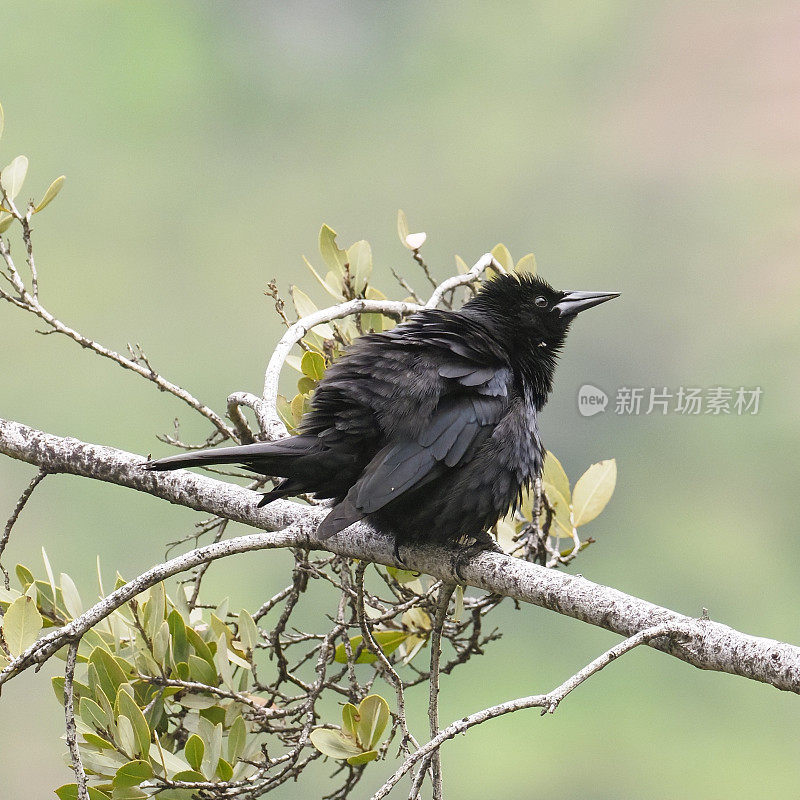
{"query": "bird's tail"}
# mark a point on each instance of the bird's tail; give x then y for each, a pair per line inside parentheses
(268, 458)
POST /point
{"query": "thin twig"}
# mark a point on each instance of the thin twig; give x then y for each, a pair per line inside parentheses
(442, 602)
(69, 714)
(24, 497)
(547, 702)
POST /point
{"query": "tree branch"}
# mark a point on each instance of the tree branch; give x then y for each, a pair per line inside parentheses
(547, 702)
(707, 645)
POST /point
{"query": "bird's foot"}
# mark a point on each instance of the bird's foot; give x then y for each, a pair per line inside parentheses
(483, 542)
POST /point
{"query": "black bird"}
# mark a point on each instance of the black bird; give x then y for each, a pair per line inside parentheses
(428, 429)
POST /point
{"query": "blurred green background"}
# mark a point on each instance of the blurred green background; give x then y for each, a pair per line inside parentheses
(648, 148)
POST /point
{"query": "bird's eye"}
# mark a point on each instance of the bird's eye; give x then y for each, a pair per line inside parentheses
(540, 301)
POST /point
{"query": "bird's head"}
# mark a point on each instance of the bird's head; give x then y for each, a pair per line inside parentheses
(531, 319)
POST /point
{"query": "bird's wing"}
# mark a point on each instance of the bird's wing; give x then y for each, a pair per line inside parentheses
(459, 423)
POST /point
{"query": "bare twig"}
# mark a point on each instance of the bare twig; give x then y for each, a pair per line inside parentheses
(24, 497)
(547, 702)
(29, 301)
(445, 593)
(69, 714)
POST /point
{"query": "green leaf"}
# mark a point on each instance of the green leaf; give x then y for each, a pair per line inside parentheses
(69, 791)
(388, 641)
(329, 250)
(224, 770)
(126, 738)
(110, 675)
(222, 663)
(52, 190)
(201, 671)
(24, 575)
(194, 751)
(313, 365)
(500, 252)
(237, 738)
(362, 758)
(526, 264)
(593, 490)
(126, 706)
(188, 775)
(350, 719)
(132, 774)
(21, 625)
(248, 631)
(212, 739)
(6, 220)
(554, 474)
(161, 643)
(13, 176)
(334, 743)
(93, 715)
(177, 632)
(72, 600)
(359, 256)
(373, 712)
(155, 610)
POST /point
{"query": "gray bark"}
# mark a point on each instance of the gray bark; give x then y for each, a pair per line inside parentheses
(706, 644)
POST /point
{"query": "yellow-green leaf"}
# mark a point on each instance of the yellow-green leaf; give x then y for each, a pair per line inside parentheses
(5, 222)
(69, 791)
(362, 758)
(561, 509)
(350, 719)
(305, 306)
(359, 256)
(501, 254)
(388, 641)
(402, 226)
(334, 743)
(13, 176)
(593, 490)
(331, 283)
(526, 264)
(21, 625)
(132, 774)
(52, 190)
(373, 712)
(329, 250)
(554, 474)
(224, 770)
(313, 365)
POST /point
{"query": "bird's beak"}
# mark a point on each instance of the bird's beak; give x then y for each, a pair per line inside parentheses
(575, 302)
